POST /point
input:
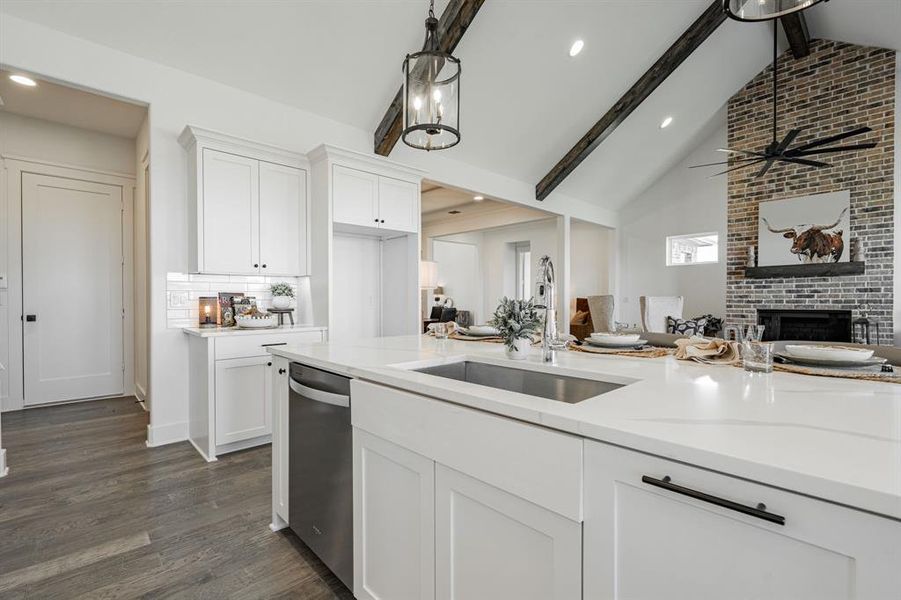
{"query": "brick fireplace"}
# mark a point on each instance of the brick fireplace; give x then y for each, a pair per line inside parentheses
(806, 325)
(837, 87)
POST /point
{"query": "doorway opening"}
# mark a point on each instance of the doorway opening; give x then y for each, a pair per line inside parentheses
(73, 246)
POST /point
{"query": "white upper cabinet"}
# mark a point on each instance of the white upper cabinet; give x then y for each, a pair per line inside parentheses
(398, 206)
(230, 212)
(356, 197)
(249, 207)
(283, 213)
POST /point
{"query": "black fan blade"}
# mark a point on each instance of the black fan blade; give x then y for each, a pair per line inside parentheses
(766, 167)
(866, 146)
(834, 138)
(751, 164)
(725, 162)
(787, 141)
(809, 163)
(748, 152)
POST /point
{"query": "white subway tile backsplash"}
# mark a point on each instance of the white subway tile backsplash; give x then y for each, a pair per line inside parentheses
(184, 289)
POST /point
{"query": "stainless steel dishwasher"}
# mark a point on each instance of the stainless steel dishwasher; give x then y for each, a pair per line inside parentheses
(320, 463)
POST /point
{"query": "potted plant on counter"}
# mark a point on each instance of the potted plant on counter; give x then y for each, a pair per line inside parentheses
(516, 322)
(282, 294)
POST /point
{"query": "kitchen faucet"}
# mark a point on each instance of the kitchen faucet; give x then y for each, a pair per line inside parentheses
(546, 298)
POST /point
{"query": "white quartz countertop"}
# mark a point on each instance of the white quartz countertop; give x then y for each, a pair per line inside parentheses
(835, 439)
(228, 331)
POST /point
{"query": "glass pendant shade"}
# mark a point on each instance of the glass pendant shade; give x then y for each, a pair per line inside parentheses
(764, 10)
(431, 95)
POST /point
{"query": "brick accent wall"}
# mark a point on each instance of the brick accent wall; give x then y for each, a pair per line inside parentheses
(837, 87)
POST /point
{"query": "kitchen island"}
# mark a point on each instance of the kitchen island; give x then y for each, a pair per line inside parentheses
(686, 481)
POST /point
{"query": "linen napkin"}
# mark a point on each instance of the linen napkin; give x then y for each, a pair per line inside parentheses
(714, 351)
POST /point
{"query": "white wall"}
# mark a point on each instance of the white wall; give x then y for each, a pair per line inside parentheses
(24, 137)
(682, 201)
(142, 264)
(177, 98)
(591, 259)
(496, 258)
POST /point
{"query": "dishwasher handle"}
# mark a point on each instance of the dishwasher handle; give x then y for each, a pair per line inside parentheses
(318, 395)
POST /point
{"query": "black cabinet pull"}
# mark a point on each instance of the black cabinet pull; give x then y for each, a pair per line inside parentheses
(274, 344)
(376, 220)
(268, 364)
(281, 371)
(31, 318)
(382, 221)
(758, 511)
(264, 265)
(256, 265)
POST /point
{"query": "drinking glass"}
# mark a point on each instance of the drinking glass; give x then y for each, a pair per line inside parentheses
(441, 331)
(757, 356)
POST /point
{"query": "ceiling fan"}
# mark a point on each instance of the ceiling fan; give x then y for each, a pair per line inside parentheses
(782, 150)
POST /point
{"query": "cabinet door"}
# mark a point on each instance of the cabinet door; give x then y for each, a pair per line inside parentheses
(278, 405)
(394, 521)
(230, 213)
(242, 412)
(355, 197)
(492, 544)
(283, 220)
(398, 206)
(646, 542)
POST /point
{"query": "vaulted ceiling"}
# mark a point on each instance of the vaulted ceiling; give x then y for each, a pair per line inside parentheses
(525, 100)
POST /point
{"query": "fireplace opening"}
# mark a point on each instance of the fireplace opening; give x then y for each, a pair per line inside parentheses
(806, 325)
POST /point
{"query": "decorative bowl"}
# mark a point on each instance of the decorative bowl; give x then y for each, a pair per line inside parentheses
(258, 321)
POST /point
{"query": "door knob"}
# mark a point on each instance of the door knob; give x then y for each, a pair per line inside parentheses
(31, 318)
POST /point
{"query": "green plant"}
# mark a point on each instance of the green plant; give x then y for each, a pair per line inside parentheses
(282, 288)
(515, 319)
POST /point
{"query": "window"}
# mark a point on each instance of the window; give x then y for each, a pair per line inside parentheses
(692, 249)
(523, 252)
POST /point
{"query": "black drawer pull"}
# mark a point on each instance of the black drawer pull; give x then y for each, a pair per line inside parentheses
(281, 371)
(274, 344)
(758, 511)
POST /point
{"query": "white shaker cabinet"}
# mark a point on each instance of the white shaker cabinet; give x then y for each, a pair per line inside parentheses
(493, 544)
(249, 206)
(278, 390)
(242, 412)
(356, 197)
(367, 199)
(394, 521)
(230, 212)
(645, 539)
(283, 220)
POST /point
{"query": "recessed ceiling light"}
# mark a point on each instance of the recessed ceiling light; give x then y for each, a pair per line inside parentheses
(666, 122)
(478, 198)
(22, 80)
(576, 47)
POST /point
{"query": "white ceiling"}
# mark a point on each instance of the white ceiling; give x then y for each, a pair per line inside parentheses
(70, 106)
(525, 101)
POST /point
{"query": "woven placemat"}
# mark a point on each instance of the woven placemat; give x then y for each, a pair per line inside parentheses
(467, 338)
(839, 373)
(650, 352)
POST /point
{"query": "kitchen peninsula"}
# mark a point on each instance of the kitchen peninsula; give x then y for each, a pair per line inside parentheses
(767, 484)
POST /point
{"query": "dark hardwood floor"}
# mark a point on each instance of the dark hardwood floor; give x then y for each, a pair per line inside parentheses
(88, 511)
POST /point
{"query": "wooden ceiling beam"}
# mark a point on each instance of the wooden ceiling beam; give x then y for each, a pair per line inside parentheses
(687, 43)
(452, 24)
(795, 27)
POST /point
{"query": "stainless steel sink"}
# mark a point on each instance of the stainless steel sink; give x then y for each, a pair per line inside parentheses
(561, 388)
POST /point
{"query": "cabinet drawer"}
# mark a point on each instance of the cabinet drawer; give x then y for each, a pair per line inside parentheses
(241, 346)
(532, 462)
(705, 535)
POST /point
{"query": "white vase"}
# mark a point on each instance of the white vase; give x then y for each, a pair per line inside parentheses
(281, 302)
(520, 350)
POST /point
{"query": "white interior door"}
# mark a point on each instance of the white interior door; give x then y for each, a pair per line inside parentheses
(356, 287)
(72, 262)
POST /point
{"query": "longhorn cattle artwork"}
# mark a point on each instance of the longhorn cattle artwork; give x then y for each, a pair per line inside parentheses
(812, 229)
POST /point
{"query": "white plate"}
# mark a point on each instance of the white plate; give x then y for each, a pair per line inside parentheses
(618, 345)
(825, 353)
(616, 338)
(833, 364)
(479, 330)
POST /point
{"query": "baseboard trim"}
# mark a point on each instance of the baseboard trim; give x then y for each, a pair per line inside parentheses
(141, 394)
(4, 470)
(201, 452)
(160, 435)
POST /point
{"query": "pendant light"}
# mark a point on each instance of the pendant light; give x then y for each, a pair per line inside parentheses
(764, 10)
(431, 93)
